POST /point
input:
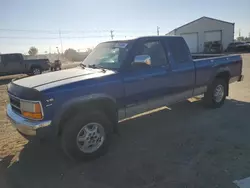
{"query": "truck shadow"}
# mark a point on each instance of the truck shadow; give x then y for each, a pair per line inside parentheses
(7, 79)
(167, 148)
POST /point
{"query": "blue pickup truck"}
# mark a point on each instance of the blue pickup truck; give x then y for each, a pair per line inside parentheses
(119, 79)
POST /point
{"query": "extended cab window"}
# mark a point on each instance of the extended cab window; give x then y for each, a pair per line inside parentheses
(179, 50)
(156, 52)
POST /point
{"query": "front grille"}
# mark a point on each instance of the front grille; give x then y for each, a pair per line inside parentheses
(15, 103)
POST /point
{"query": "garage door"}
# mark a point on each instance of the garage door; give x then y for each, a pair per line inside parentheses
(192, 41)
(211, 36)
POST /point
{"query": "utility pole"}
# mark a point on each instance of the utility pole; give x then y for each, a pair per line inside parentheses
(239, 33)
(58, 53)
(158, 30)
(112, 34)
(49, 52)
(60, 36)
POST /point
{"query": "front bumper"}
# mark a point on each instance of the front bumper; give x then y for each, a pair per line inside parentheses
(23, 125)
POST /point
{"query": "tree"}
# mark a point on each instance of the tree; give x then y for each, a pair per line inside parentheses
(89, 50)
(242, 39)
(33, 51)
(71, 54)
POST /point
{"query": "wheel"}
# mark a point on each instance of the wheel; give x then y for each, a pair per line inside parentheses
(36, 71)
(58, 68)
(216, 94)
(86, 136)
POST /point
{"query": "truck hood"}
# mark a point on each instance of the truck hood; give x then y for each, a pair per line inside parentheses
(53, 79)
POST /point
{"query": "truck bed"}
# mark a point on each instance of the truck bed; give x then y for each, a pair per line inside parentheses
(203, 56)
(208, 66)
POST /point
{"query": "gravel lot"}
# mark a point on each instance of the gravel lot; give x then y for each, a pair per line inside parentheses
(185, 146)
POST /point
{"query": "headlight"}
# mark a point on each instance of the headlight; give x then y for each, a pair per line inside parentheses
(31, 110)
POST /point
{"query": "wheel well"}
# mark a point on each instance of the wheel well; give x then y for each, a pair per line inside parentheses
(225, 76)
(105, 105)
(35, 66)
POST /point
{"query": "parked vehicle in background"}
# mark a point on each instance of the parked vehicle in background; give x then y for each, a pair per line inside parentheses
(213, 48)
(16, 64)
(119, 79)
(56, 65)
(238, 47)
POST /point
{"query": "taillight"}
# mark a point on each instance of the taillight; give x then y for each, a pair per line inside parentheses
(240, 62)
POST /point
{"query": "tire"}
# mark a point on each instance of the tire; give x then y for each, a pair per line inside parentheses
(72, 132)
(216, 94)
(58, 68)
(36, 71)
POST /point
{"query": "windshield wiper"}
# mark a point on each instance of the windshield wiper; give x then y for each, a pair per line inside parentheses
(93, 66)
(83, 66)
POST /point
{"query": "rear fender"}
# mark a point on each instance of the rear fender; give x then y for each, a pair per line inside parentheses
(223, 73)
(34, 65)
(219, 71)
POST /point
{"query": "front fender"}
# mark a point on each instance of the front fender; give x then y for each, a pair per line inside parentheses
(78, 102)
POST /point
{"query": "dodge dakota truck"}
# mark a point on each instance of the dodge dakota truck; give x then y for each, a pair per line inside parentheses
(16, 64)
(119, 79)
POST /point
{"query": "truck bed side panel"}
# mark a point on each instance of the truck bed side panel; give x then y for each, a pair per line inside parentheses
(207, 69)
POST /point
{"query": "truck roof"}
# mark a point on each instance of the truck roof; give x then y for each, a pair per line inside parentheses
(159, 37)
(12, 54)
(145, 37)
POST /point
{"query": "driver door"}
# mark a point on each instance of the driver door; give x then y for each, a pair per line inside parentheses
(13, 64)
(146, 86)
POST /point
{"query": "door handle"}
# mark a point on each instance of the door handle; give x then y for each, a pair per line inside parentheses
(141, 78)
(165, 67)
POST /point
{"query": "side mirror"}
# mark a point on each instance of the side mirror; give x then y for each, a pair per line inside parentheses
(142, 60)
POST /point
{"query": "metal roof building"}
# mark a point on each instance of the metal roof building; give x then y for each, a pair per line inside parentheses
(201, 33)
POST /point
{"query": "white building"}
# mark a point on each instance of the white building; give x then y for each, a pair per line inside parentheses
(204, 31)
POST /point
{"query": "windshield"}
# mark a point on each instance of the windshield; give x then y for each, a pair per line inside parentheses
(108, 55)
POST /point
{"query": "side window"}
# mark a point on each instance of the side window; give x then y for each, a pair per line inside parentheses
(179, 50)
(155, 50)
(7, 58)
(11, 58)
(0, 59)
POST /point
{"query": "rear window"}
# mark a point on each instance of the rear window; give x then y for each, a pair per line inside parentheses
(12, 58)
(179, 50)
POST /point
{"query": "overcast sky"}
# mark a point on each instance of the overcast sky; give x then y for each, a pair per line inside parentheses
(82, 23)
